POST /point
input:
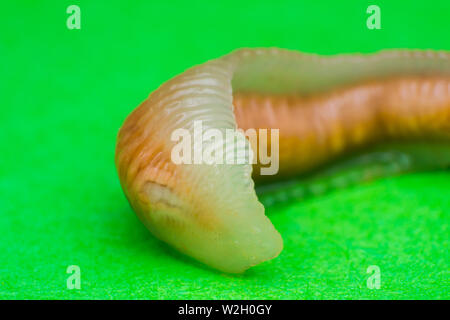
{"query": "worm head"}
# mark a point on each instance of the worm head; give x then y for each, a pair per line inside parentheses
(207, 210)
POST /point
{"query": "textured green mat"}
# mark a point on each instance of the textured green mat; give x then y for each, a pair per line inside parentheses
(64, 94)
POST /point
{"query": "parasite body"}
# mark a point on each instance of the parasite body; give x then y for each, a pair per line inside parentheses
(355, 110)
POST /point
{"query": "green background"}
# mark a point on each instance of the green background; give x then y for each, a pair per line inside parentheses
(64, 94)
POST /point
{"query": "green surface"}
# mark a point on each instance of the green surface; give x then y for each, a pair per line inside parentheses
(64, 94)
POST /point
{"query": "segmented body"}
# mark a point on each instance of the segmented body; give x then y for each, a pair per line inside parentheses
(366, 115)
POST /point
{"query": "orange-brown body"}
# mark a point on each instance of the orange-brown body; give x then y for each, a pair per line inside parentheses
(315, 129)
(324, 108)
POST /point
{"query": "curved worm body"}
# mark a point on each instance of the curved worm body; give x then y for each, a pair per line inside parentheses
(326, 109)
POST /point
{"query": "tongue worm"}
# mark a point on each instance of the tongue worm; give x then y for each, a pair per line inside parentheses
(392, 105)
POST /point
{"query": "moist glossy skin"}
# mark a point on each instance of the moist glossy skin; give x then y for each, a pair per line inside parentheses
(315, 129)
(324, 108)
